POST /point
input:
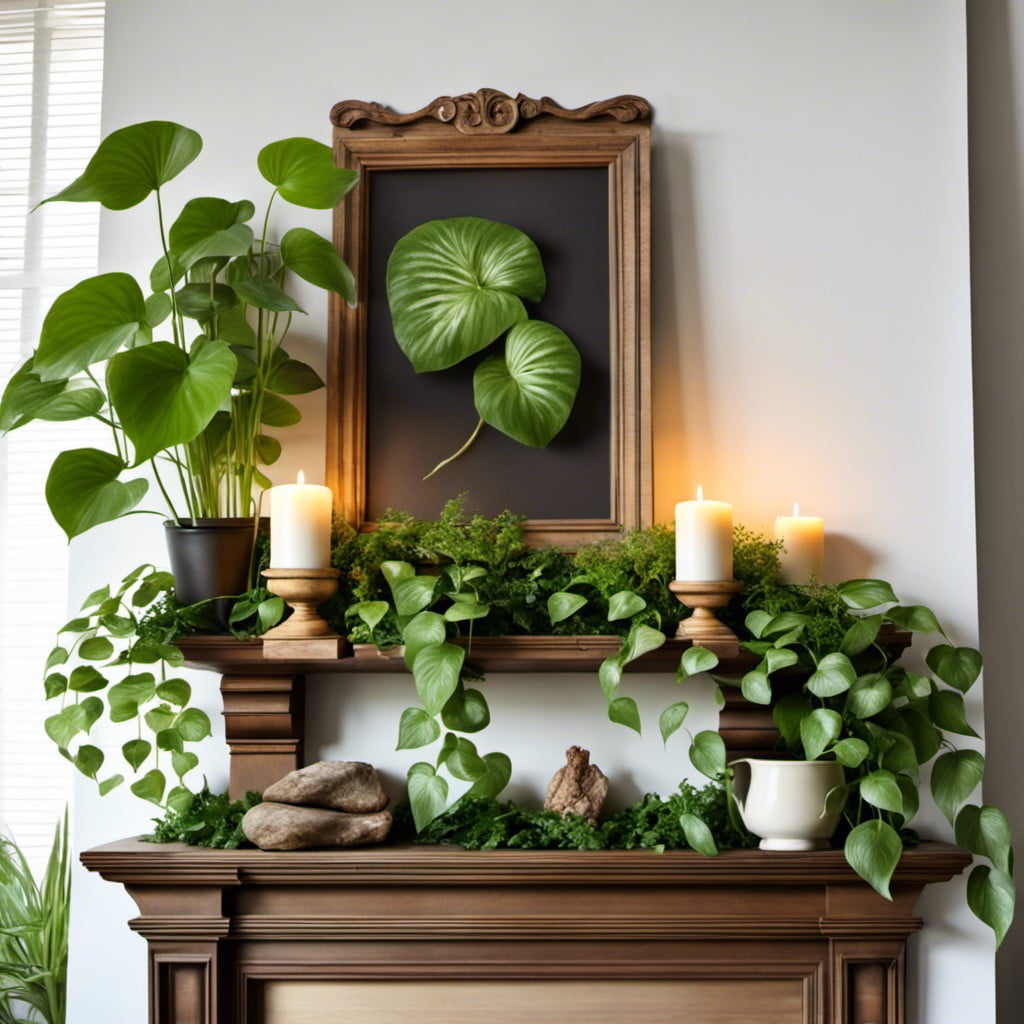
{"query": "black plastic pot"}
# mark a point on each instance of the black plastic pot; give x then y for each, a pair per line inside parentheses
(211, 557)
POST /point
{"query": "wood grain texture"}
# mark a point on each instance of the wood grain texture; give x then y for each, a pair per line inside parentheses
(541, 1002)
(242, 935)
(614, 134)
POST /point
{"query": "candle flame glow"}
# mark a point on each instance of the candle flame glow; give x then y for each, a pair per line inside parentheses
(796, 508)
(300, 477)
(700, 493)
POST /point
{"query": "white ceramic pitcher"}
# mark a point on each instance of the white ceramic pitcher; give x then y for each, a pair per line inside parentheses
(791, 805)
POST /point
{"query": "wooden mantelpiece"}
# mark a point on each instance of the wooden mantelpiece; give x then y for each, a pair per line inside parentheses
(263, 698)
(232, 933)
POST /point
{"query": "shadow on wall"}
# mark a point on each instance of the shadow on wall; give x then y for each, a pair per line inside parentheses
(679, 391)
(995, 57)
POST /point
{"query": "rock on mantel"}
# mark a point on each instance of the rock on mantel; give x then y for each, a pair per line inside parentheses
(214, 919)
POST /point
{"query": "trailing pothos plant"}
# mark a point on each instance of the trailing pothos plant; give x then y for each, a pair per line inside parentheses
(104, 663)
(457, 285)
(851, 701)
(428, 610)
(195, 407)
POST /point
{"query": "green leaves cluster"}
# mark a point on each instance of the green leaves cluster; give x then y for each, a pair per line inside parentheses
(882, 722)
(198, 404)
(207, 819)
(448, 705)
(34, 922)
(105, 665)
(457, 285)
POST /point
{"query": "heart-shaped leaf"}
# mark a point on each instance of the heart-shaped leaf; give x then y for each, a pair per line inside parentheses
(861, 635)
(623, 711)
(210, 227)
(609, 675)
(170, 739)
(955, 776)
(414, 594)
(464, 762)
(834, 675)
(881, 790)
(175, 691)
(183, 761)
(959, 667)
(292, 377)
(671, 718)
(259, 289)
(193, 724)
(851, 752)
(819, 730)
(202, 303)
(866, 593)
(96, 648)
(28, 397)
(151, 786)
(89, 323)
(947, 712)
(528, 392)
(707, 754)
(695, 660)
(436, 671)
(992, 895)
(756, 688)
(304, 173)
(640, 641)
(563, 605)
(132, 162)
(416, 729)
(873, 850)
(428, 793)
(985, 831)
(315, 260)
(789, 711)
(165, 397)
(427, 629)
(136, 751)
(624, 605)
(499, 771)
(914, 617)
(869, 695)
(455, 285)
(55, 684)
(466, 711)
(82, 490)
(465, 608)
(698, 835)
(126, 696)
(88, 760)
(86, 679)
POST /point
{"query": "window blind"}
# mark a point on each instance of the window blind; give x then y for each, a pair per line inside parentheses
(51, 70)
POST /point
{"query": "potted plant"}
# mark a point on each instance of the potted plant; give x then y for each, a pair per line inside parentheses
(839, 695)
(194, 408)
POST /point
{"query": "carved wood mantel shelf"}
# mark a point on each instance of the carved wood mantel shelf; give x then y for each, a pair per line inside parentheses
(252, 937)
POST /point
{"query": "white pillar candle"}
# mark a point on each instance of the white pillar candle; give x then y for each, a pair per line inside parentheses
(300, 526)
(803, 540)
(703, 540)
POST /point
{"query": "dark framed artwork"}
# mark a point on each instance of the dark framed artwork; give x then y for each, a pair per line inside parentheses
(578, 183)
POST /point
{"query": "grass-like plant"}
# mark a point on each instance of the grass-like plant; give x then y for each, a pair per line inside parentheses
(34, 918)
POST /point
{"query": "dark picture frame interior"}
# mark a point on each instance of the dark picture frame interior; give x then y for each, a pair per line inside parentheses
(578, 183)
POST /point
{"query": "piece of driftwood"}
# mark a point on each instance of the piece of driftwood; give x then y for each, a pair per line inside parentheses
(578, 787)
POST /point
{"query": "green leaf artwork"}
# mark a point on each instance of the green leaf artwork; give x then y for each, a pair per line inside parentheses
(455, 286)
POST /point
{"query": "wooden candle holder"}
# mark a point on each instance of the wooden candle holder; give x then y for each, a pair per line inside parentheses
(702, 627)
(305, 633)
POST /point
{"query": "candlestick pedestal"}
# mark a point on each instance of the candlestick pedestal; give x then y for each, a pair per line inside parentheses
(703, 627)
(305, 634)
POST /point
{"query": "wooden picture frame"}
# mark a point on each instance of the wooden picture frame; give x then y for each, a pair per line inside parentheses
(545, 160)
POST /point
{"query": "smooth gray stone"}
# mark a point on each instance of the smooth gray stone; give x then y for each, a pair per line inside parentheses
(284, 827)
(352, 786)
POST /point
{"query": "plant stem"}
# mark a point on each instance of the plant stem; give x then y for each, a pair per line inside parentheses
(163, 491)
(175, 319)
(451, 458)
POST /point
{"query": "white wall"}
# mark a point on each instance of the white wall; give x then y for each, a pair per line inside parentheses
(996, 54)
(811, 319)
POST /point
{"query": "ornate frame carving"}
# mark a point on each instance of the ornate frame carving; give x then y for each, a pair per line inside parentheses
(486, 130)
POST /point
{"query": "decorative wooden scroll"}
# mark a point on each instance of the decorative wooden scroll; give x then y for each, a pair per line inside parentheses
(577, 181)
